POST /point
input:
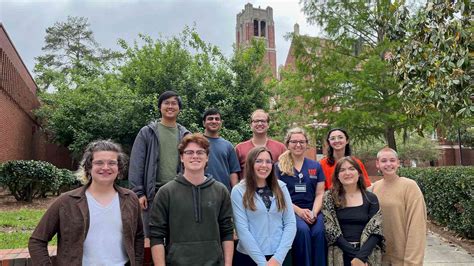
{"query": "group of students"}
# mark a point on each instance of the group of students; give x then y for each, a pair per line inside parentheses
(285, 208)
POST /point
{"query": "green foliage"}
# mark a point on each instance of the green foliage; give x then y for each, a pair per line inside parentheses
(114, 103)
(67, 181)
(449, 195)
(413, 148)
(27, 180)
(345, 81)
(71, 54)
(202, 76)
(433, 61)
(99, 108)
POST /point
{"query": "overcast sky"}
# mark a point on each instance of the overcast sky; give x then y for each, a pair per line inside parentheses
(27, 20)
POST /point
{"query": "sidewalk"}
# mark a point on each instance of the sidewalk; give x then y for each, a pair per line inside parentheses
(439, 252)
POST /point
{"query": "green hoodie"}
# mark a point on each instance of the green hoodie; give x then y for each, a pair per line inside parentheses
(194, 220)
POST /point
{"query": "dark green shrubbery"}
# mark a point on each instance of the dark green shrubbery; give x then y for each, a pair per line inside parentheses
(449, 195)
(27, 180)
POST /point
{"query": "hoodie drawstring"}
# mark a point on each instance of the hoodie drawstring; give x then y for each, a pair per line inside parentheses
(197, 204)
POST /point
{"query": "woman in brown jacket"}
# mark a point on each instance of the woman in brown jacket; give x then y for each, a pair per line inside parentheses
(96, 224)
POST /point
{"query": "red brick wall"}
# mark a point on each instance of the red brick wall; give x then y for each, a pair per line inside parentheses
(21, 137)
(15, 131)
(16, 123)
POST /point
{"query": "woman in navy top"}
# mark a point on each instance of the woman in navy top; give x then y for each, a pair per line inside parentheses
(305, 181)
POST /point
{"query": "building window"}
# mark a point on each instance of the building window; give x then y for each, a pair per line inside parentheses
(255, 28)
(263, 27)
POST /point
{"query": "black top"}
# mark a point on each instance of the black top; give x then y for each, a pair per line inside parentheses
(266, 193)
(352, 221)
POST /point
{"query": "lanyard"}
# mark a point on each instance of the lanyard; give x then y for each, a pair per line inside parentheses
(300, 176)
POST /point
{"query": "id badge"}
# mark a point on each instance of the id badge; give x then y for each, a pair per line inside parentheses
(300, 188)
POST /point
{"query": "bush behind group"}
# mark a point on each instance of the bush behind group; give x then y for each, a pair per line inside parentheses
(449, 195)
(29, 179)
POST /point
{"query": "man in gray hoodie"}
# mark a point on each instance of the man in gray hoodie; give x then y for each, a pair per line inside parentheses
(154, 159)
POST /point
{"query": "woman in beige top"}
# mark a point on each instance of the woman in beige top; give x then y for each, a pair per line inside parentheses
(403, 211)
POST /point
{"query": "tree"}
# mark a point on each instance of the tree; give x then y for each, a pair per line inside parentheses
(202, 76)
(98, 108)
(432, 61)
(71, 54)
(345, 79)
(116, 102)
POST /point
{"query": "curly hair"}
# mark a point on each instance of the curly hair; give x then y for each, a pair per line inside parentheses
(85, 167)
(197, 138)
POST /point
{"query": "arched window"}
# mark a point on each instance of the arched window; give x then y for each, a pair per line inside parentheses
(255, 27)
(263, 27)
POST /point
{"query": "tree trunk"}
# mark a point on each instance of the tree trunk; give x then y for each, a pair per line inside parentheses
(390, 137)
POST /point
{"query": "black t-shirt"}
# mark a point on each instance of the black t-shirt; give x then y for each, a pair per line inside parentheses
(353, 219)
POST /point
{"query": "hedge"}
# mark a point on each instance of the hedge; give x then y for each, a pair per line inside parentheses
(27, 180)
(449, 195)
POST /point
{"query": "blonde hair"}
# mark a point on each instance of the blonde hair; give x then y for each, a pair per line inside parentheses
(286, 162)
(388, 150)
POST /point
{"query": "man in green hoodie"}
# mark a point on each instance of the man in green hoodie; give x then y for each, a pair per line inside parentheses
(192, 214)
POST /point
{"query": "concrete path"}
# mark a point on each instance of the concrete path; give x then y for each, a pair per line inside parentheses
(439, 252)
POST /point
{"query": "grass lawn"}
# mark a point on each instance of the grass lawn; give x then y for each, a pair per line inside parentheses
(16, 227)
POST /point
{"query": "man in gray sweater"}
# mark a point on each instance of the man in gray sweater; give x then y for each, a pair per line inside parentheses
(154, 159)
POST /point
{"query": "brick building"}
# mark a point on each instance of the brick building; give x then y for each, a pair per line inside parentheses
(21, 135)
(257, 23)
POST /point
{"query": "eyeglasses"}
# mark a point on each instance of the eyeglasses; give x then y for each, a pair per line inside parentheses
(336, 138)
(198, 152)
(211, 118)
(261, 161)
(99, 163)
(261, 121)
(170, 103)
(296, 142)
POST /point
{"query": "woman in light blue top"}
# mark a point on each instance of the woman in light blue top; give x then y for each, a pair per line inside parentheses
(263, 213)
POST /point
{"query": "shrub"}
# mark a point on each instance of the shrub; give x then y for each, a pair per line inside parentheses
(449, 195)
(67, 181)
(27, 180)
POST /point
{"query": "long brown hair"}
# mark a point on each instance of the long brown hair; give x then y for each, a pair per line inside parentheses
(347, 149)
(337, 192)
(251, 181)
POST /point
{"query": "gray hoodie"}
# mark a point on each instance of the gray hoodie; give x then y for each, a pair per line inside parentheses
(144, 160)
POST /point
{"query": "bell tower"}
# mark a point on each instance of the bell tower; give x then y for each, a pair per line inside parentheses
(257, 23)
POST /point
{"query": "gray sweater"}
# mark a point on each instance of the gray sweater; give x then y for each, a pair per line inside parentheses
(144, 160)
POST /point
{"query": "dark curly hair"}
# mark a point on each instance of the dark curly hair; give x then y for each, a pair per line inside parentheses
(85, 167)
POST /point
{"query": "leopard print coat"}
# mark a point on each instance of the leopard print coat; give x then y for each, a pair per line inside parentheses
(333, 231)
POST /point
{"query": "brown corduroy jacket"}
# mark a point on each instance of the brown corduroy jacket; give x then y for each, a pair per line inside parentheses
(68, 217)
